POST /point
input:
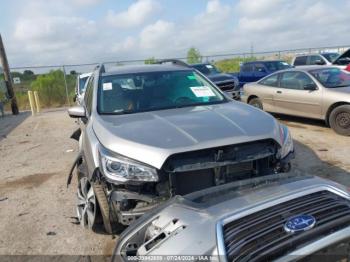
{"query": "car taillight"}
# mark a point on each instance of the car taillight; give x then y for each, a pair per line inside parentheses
(347, 68)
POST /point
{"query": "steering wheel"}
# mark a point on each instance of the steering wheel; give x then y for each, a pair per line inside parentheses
(183, 100)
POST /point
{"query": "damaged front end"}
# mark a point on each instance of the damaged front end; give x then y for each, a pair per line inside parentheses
(133, 188)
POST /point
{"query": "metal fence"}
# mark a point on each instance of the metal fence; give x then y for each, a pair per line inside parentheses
(56, 83)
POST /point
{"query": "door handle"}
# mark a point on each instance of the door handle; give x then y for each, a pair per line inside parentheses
(279, 92)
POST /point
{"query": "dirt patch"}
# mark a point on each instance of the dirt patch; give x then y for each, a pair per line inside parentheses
(109, 247)
(24, 142)
(30, 181)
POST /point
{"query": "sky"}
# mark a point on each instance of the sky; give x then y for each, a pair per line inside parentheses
(44, 32)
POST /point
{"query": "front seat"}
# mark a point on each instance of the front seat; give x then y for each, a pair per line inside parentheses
(116, 100)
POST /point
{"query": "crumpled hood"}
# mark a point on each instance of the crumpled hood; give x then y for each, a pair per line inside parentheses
(220, 77)
(345, 55)
(151, 137)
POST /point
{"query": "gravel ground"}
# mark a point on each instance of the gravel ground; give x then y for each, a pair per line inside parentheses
(37, 210)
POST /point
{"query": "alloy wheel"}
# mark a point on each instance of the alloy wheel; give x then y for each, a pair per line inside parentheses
(86, 203)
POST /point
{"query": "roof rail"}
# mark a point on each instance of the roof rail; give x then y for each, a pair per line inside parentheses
(174, 61)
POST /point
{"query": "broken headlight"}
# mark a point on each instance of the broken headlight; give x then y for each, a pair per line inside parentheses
(286, 141)
(121, 169)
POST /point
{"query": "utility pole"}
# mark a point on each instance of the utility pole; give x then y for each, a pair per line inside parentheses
(8, 79)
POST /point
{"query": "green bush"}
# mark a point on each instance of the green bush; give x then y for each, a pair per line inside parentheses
(51, 88)
(233, 64)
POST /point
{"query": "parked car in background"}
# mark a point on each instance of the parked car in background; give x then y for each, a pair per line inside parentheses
(80, 87)
(342, 61)
(319, 92)
(151, 132)
(276, 218)
(253, 71)
(226, 82)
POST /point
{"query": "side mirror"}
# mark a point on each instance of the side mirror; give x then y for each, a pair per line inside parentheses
(76, 112)
(310, 87)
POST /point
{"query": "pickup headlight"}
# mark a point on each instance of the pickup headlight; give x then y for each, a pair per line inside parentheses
(287, 142)
(121, 169)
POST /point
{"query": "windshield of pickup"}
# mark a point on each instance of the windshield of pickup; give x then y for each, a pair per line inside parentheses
(142, 92)
(331, 77)
(207, 69)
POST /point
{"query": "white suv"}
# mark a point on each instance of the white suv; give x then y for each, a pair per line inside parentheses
(342, 61)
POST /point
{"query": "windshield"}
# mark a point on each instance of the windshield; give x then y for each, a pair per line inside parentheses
(332, 77)
(207, 69)
(277, 65)
(82, 82)
(141, 92)
(331, 56)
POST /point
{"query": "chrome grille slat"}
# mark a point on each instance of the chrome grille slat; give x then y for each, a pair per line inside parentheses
(258, 221)
(259, 236)
(344, 221)
(226, 86)
(267, 213)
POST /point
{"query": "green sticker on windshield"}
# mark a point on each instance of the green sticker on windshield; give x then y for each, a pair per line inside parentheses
(191, 77)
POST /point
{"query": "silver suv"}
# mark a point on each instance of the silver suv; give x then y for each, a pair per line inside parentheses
(151, 132)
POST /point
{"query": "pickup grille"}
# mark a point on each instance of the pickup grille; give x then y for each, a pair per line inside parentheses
(226, 86)
(261, 236)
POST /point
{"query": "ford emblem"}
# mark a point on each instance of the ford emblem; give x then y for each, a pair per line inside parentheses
(299, 223)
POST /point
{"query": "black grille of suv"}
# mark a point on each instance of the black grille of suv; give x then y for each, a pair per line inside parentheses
(226, 86)
(261, 236)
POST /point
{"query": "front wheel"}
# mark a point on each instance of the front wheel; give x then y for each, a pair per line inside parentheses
(339, 120)
(87, 206)
(256, 102)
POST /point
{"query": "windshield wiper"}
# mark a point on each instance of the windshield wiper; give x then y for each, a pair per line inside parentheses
(123, 111)
(341, 86)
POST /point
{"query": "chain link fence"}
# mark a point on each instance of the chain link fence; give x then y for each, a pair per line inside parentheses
(56, 83)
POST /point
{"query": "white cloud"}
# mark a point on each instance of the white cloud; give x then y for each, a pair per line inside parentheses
(86, 2)
(157, 35)
(52, 32)
(165, 38)
(274, 24)
(128, 44)
(135, 15)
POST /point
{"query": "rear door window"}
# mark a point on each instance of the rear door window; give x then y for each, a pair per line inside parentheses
(247, 68)
(315, 60)
(300, 60)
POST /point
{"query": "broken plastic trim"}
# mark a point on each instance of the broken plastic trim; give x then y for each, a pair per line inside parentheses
(76, 134)
(220, 157)
(71, 172)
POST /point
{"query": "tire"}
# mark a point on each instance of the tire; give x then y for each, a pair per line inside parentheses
(256, 102)
(104, 207)
(87, 207)
(339, 120)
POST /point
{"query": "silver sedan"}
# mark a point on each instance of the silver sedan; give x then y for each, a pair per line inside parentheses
(317, 92)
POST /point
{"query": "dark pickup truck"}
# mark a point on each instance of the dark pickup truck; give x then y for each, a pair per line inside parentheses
(226, 82)
(254, 71)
